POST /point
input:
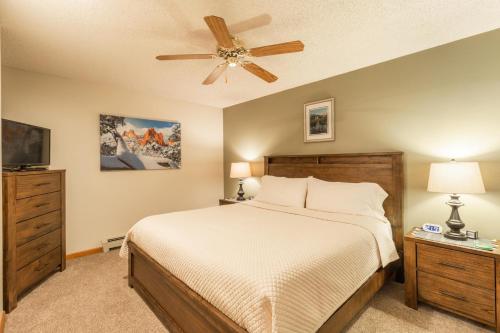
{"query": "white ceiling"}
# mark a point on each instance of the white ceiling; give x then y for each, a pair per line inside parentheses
(115, 41)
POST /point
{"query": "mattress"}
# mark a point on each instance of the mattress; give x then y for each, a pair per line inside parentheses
(269, 268)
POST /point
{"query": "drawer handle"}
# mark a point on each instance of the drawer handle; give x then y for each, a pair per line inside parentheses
(42, 204)
(39, 268)
(448, 264)
(448, 294)
(41, 225)
(42, 184)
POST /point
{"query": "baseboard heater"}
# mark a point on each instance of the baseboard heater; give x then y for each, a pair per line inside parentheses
(112, 243)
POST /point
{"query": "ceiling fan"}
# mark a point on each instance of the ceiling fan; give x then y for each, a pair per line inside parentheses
(232, 51)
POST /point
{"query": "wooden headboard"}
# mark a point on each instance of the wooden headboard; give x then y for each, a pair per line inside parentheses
(385, 169)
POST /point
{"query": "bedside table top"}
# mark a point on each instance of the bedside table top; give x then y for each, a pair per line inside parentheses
(229, 200)
(454, 246)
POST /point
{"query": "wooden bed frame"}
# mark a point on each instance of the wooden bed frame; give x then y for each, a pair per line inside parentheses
(182, 310)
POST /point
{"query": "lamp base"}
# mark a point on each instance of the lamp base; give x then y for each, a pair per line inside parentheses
(455, 222)
(241, 193)
(455, 235)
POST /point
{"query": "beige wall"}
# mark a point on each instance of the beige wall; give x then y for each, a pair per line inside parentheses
(105, 204)
(434, 105)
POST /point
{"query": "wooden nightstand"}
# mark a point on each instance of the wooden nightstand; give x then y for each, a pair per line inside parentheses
(462, 280)
(223, 202)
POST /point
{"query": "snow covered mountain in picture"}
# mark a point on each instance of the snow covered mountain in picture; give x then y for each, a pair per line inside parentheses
(139, 144)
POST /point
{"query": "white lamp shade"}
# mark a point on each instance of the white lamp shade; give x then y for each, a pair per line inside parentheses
(240, 170)
(455, 178)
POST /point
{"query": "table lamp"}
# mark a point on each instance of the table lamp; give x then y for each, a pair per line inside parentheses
(240, 170)
(455, 178)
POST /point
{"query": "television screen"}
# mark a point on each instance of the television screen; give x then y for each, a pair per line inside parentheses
(24, 145)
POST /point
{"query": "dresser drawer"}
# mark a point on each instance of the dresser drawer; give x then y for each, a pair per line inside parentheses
(37, 248)
(461, 266)
(37, 205)
(38, 270)
(475, 303)
(27, 186)
(33, 228)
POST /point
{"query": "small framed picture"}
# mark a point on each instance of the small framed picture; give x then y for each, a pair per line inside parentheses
(319, 121)
(472, 234)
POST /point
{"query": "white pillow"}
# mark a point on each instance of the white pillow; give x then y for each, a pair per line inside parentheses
(350, 198)
(283, 191)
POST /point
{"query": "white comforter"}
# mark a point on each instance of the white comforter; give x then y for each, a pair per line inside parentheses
(268, 268)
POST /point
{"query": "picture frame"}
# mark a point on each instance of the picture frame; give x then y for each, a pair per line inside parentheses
(131, 143)
(319, 121)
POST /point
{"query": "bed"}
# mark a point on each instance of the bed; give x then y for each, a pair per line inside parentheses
(258, 267)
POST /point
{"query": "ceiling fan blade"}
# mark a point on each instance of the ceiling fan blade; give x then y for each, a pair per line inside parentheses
(288, 47)
(219, 28)
(215, 74)
(260, 72)
(185, 56)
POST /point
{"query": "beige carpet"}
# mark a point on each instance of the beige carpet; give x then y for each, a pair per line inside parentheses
(92, 295)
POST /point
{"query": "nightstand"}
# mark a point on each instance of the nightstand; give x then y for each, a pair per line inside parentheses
(462, 280)
(223, 202)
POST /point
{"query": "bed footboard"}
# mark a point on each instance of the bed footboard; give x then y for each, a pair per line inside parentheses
(177, 306)
(181, 309)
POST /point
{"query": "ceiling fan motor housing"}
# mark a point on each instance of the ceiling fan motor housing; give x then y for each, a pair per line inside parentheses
(233, 55)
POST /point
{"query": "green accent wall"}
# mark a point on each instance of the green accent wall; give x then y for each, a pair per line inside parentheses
(434, 105)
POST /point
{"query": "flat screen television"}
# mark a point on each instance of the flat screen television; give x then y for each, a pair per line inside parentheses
(24, 145)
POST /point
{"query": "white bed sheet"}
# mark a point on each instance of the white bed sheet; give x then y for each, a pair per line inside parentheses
(269, 268)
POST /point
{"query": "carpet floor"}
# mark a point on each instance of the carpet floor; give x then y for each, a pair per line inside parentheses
(92, 295)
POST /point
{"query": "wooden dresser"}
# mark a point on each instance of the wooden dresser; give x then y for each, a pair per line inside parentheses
(462, 280)
(34, 230)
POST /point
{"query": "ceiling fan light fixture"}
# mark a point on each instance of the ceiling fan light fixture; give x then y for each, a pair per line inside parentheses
(233, 61)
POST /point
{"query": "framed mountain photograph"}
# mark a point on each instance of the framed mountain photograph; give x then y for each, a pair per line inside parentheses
(319, 121)
(139, 144)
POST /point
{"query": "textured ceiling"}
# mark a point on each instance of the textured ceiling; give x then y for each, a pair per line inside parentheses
(115, 41)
